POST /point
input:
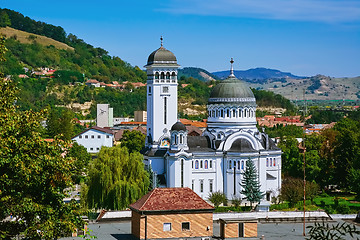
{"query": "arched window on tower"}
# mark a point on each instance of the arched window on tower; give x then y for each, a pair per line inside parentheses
(167, 75)
(206, 164)
(156, 75)
(242, 165)
(176, 139)
(197, 164)
(228, 113)
(234, 113)
(230, 164)
(181, 139)
(245, 113)
(222, 113)
(162, 76)
(173, 76)
(240, 112)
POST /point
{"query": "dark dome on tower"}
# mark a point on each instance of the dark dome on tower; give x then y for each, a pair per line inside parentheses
(161, 55)
(178, 126)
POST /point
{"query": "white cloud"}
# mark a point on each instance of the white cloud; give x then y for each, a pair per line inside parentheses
(297, 10)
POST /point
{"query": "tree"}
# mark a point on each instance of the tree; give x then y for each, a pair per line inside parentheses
(4, 19)
(292, 190)
(325, 231)
(291, 159)
(133, 140)
(33, 175)
(60, 121)
(82, 159)
(116, 179)
(217, 198)
(250, 184)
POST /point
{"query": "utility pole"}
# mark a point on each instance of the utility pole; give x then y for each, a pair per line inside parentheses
(303, 141)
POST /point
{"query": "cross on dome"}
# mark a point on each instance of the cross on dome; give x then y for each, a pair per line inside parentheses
(232, 68)
(161, 39)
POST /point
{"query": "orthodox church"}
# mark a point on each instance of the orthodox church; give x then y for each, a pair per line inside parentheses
(216, 160)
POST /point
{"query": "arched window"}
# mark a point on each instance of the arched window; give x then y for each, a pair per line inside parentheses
(267, 162)
(162, 75)
(210, 163)
(240, 112)
(181, 139)
(228, 113)
(201, 164)
(182, 172)
(156, 75)
(245, 112)
(274, 162)
(173, 76)
(230, 164)
(192, 164)
(213, 113)
(222, 113)
(242, 165)
(270, 162)
(234, 112)
(206, 164)
(175, 139)
(196, 164)
(167, 75)
(238, 165)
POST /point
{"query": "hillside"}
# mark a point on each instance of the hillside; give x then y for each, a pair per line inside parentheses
(257, 75)
(25, 37)
(197, 73)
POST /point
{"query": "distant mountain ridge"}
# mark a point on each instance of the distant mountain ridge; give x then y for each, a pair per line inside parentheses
(257, 74)
(198, 73)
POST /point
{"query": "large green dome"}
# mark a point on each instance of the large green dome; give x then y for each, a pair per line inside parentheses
(161, 56)
(232, 90)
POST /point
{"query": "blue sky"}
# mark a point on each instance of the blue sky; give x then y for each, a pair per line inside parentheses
(304, 37)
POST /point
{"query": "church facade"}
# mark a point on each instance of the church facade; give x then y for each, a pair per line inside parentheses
(216, 160)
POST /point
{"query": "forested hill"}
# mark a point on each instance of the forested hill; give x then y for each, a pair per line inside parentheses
(84, 58)
(197, 73)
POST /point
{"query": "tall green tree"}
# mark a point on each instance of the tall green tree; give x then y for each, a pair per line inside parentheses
(250, 183)
(82, 159)
(60, 121)
(116, 179)
(133, 140)
(33, 175)
(291, 159)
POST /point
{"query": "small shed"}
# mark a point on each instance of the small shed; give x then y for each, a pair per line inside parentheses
(238, 227)
(171, 213)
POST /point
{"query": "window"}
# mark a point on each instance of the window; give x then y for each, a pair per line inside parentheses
(97, 149)
(176, 139)
(91, 149)
(201, 164)
(165, 107)
(185, 226)
(162, 76)
(182, 172)
(192, 164)
(192, 184)
(165, 89)
(274, 162)
(86, 136)
(267, 162)
(80, 136)
(196, 164)
(211, 185)
(234, 113)
(228, 113)
(167, 227)
(238, 165)
(270, 162)
(156, 75)
(222, 113)
(149, 89)
(167, 75)
(181, 139)
(206, 164)
(210, 164)
(242, 165)
(107, 136)
(230, 164)
(99, 136)
(201, 185)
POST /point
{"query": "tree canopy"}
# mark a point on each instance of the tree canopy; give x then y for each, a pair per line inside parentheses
(33, 175)
(250, 183)
(134, 140)
(115, 179)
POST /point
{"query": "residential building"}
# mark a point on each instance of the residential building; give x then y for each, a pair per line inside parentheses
(140, 116)
(171, 213)
(94, 138)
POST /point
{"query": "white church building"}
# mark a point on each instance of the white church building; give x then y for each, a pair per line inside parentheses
(216, 160)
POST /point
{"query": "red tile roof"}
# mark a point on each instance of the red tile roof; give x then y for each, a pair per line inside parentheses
(171, 199)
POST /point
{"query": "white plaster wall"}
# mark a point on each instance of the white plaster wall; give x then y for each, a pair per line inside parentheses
(95, 143)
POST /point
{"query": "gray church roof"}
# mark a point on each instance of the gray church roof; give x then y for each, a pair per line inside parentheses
(161, 56)
(199, 144)
(241, 145)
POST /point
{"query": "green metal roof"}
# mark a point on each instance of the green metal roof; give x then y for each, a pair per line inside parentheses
(232, 90)
(161, 55)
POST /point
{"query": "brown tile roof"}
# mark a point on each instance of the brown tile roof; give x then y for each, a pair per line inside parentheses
(171, 199)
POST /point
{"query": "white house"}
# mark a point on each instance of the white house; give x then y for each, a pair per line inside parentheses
(94, 138)
(215, 161)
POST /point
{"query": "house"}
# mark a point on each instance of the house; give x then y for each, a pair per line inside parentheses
(94, 138)
(92, 82)
(171, 213)
(238, 227)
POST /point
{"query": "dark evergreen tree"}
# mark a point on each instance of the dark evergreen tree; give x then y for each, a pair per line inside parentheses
(250, 184)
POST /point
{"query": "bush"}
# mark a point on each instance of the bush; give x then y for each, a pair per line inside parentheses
(279, 206)
(236, 202)
(343, 208)
(217, 198)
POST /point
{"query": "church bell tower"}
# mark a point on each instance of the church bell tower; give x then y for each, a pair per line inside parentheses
(162, 69)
